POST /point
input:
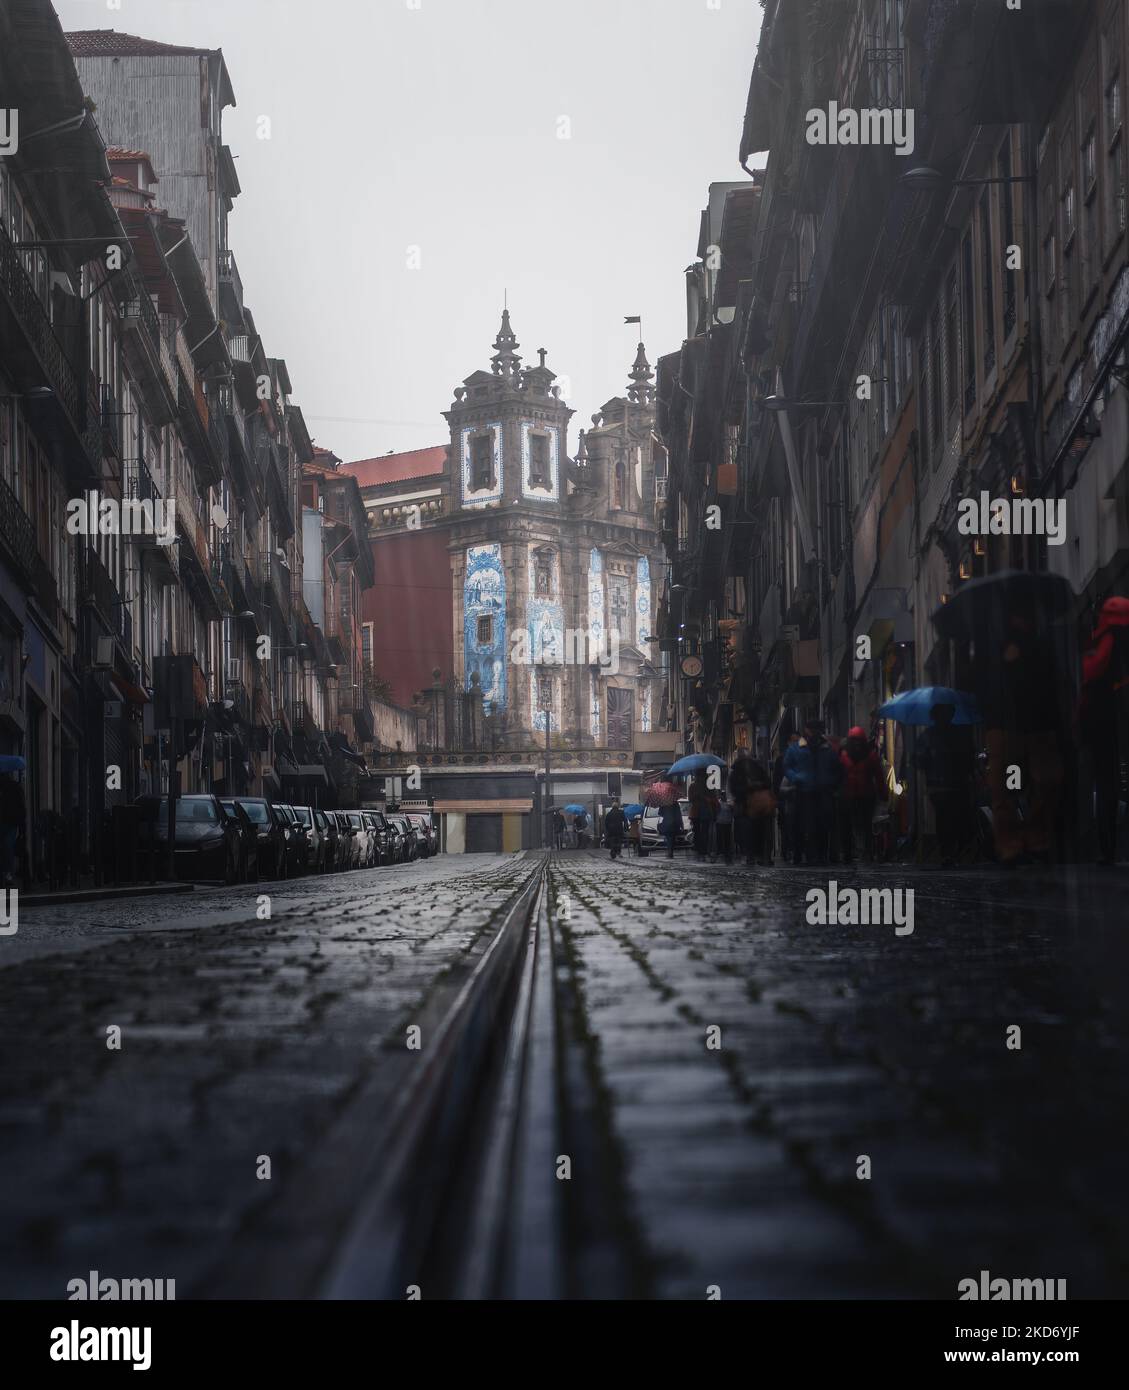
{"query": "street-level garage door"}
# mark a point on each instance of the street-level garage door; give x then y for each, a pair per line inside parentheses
(484, 834)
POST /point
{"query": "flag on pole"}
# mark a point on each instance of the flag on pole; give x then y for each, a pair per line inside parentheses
(635, 319)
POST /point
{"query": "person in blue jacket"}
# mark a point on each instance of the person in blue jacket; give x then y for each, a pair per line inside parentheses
(813, 768)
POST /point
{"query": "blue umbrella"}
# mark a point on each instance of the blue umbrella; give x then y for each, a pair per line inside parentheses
(12, 762)
(572, 806)
(633, 808)
(913, 706)
(694, 762)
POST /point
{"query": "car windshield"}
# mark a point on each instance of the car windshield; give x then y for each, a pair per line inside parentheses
(355, 819)
(257, 811)
(303, 814)
(190, 810)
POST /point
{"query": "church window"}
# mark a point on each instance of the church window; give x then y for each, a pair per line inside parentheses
(539, 461)
(543, 573)
(482, 462)
(545, 692)
(619, 485)
(485, 632)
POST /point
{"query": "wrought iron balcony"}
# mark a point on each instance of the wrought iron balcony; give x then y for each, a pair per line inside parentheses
(34, 322)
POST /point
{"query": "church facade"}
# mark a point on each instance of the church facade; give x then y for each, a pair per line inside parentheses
(554, 567)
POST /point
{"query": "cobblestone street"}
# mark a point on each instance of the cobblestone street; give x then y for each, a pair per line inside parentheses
(734, 1165)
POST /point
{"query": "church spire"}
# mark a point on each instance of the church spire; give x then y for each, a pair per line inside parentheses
(641, 389)
(506, 361)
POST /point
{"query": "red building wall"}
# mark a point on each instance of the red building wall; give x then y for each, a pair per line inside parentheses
(410, 610)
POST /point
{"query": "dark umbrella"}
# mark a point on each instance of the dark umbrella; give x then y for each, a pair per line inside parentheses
(985, 601)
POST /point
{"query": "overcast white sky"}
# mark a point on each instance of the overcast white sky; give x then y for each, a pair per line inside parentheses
(437, 127)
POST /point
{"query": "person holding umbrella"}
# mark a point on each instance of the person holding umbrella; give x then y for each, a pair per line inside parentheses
(814, 770)
(663, 794)
(1020, 689)
(13, 816)
(946, 756)
(1105, 678)
(615, 827)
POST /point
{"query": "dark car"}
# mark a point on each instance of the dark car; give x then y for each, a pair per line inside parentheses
(344, 841)
(207, 841)
(378, 834)
(273, 832)
(249, 839)
(359, 840)
(409, 841)
(299, 848)
(311, 832)
(394, 839)
(428, 840)
(327, 828)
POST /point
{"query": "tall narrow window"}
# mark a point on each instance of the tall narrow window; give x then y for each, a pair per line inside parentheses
(1007, 197)
(484, 631)
(543, 573)
(922, 396)
(539, 461)
(1090, 249)
(482, 462)
(619, 485)
(1114, 143)
(968, 326)
(936, 398)
(952, 342)
(1068, 229)
(988, 284)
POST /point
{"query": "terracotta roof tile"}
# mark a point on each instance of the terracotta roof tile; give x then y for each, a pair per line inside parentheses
(109, 43)
(393, 468)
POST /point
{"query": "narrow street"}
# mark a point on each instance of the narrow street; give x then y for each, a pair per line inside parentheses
(731, 1165)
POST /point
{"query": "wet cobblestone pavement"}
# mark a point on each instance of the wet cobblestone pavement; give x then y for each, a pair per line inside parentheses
(843, 1041)
(736, 1164)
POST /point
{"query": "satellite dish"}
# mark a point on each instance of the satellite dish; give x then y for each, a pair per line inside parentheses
(219, 518)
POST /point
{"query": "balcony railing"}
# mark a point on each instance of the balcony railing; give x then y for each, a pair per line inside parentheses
(97, 587)
(36, 324)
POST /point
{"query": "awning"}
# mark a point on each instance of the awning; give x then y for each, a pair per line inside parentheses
(133, 693)
(306, 772)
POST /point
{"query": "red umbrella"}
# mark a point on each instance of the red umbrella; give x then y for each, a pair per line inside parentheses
(661, 794)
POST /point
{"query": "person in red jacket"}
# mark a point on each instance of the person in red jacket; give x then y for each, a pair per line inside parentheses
(860, 790)
(1105, 682)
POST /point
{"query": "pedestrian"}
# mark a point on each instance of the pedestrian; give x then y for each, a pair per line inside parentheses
(559, 828)
(751, 789)
(814, 770)
(1021, 698)
(670, 825)
(1105, 679)
(580, 825)
(635, 835)
(786, 805)
(13, 815)
(615, 827)
(947, 757)
(703, 813)
(723, 828)
(863, 786)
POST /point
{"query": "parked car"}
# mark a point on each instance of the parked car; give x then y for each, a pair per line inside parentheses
(429, 840)
(339, 836)
(409, 844)
(327, 826)
(273, 833)
(395, 839)
(299, 844)
(248, 838)
(378, 830)
(359, 840)
(207, 842)
(419, 833)
(311, 833)
(650, 836)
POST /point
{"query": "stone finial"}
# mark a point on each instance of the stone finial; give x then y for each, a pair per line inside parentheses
(506, 361)
(641, 387)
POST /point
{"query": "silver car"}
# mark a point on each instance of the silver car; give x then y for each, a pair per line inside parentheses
(651, 835)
